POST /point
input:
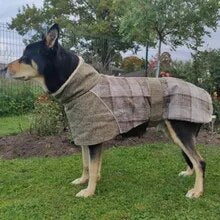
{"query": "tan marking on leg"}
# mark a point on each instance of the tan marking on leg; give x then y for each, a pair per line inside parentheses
(198, 187)
(94, 166)
(85, 175)
(188, 172)
(100, 167)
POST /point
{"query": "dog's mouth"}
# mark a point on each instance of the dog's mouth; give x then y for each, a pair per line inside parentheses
(22, 78)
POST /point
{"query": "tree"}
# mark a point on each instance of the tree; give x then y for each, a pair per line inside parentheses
(203, 70)
(131, 64)
(91, 25)
(173, 22)
(207, 65)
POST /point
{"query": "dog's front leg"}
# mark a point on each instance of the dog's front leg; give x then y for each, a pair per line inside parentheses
(85, 175)
(95, 152)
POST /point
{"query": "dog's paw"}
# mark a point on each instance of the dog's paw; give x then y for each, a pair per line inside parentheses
(85, 193)
(193, 193)
(186, 173)
(79, 181)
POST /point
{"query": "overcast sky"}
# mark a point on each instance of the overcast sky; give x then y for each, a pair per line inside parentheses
(9, 9)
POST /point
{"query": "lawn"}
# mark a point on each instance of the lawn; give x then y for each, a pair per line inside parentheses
(137, 183)
(13, 125)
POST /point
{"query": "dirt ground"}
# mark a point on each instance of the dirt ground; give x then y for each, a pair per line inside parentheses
(27, 145)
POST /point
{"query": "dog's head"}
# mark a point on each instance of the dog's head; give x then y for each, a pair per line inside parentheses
(36, 57)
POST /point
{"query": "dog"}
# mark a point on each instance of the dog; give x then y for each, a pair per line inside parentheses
(59, 72)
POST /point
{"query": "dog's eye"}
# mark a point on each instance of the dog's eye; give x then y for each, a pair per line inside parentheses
(24, 59)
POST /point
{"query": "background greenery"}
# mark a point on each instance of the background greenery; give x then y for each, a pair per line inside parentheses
(102, 29)
(203, 70)
(132, 63)
(17, 97)
(48, 116)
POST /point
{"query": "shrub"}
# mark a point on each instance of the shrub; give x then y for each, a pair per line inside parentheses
(16, 98)
(132, 63)
(48, 117)
(216, 106)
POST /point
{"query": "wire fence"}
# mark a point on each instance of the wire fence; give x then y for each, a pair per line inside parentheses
(11, 48)
(11, 44)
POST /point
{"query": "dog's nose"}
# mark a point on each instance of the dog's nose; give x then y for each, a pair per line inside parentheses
(4, 69)
(7, 75)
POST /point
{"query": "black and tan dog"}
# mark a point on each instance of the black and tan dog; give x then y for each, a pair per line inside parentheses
(49, 63)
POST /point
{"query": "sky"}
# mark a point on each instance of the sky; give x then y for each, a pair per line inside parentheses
(9, 9)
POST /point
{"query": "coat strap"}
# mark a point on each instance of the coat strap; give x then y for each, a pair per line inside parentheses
(156, 101)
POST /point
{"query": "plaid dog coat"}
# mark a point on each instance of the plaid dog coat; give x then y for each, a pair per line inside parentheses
(100, 107)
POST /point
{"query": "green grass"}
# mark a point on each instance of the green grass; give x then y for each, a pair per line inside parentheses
(137, 183)
(13, 124)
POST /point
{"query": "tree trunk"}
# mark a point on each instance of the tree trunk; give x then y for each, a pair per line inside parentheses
(146, 60)
(218, 88)
(158, 59)
(104, 54)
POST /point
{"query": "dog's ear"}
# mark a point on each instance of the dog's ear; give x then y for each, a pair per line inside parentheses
(52, 36)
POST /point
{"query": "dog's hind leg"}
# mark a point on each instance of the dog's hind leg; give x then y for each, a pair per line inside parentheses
(193, 132)
(100, 167)
(95, 152)
(189, 170)
(85, 175)
(183, 134)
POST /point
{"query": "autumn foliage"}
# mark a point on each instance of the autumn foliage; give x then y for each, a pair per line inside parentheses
(132, 63)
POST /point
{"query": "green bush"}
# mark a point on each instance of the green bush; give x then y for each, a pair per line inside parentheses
(216, 106)
(16, 97)
(182, 70)
(48, 117)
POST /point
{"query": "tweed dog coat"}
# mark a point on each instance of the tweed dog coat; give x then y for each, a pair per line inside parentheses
(100, 107)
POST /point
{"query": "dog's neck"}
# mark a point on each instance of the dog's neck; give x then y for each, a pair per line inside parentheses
(60, 68)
